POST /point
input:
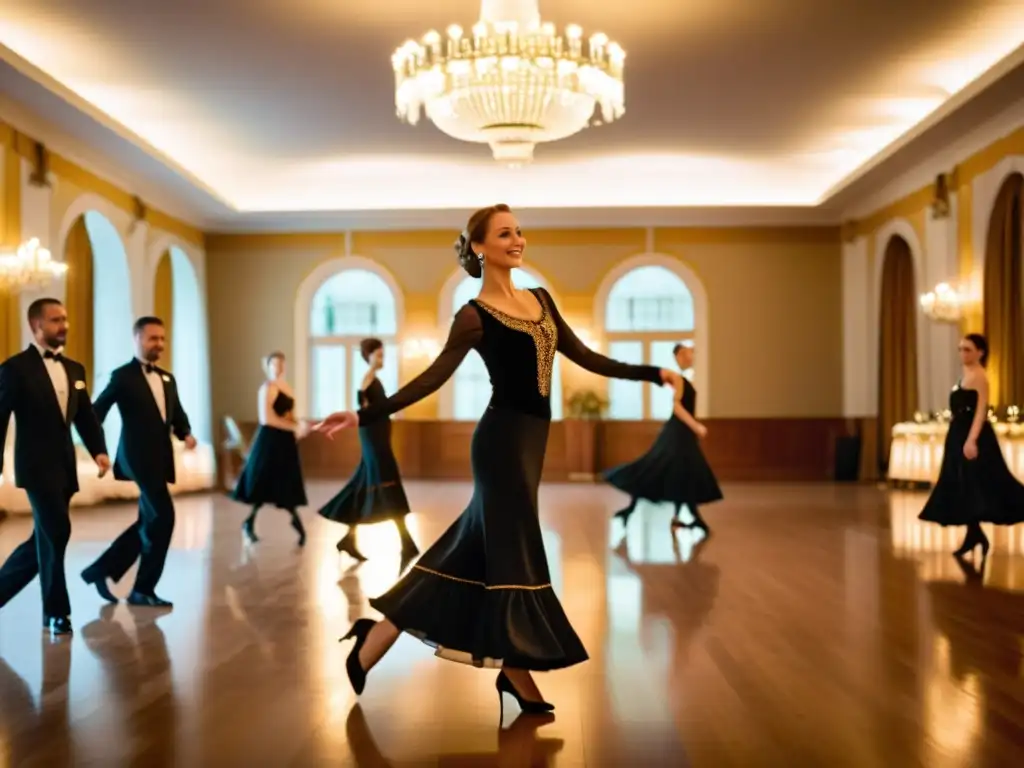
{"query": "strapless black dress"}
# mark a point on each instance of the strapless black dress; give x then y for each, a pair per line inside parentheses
(981, 490)
(375, 492)
(482, 594)
(273, 472)
(674, 469)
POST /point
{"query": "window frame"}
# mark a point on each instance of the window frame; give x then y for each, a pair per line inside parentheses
(698, 336)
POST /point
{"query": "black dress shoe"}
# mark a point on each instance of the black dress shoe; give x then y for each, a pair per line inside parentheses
(148, 601)
(100, 583)
(57, 625)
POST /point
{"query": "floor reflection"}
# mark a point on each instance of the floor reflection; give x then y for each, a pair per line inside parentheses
(817, 625)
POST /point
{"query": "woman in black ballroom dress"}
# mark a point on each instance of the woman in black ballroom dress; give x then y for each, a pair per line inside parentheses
(482, 593)
(975, 486)
(674, 469)
(272, 472)
(375, 492)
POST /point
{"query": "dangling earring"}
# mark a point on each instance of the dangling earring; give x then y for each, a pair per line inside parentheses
(480, 258)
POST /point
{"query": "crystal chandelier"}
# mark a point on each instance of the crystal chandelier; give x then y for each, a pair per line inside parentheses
(512, 83)
(943, 305)
(30, 266)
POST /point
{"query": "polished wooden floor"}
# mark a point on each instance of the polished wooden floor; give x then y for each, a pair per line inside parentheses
(817, 626)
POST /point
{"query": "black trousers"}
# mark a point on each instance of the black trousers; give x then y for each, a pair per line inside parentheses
(42, 554)
(146, 540)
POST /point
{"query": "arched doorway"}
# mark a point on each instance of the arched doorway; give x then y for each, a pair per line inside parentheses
(177, 300)
(897, 344)
(1002, 311)
(98, 299)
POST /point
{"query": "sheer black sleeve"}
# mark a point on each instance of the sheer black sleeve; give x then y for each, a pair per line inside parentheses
(464, 335)
(570, 346)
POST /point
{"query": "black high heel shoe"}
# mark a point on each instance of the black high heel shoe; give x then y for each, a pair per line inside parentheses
(504, 685)
(348, 546)
(249, 530)
(299, 529)
(974, 537)
(356, 673)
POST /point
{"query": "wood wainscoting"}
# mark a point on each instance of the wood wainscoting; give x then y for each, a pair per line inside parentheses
(738, 449)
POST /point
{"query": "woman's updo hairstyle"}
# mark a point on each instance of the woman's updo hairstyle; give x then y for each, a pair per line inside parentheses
(981, 344)
(275, 355)
(368, 346)
(476, 232)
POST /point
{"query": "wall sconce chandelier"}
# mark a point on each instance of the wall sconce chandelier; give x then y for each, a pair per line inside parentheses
(29, 266)
(943, 305)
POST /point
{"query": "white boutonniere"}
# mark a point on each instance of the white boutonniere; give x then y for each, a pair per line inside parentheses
(165, 377)
(79, 385)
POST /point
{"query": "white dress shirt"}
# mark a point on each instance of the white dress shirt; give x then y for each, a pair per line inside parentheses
(58, 377)
(156, 386)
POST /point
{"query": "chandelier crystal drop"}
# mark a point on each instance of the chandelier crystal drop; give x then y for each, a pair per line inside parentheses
(512, 82)
(30, 266)
(943, 305)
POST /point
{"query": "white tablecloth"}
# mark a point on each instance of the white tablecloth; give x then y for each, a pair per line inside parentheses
(917, 449)
(196, 471)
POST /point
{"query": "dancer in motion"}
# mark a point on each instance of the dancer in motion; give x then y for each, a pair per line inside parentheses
(674, 469)
(147, 398)
(47, 393)
(375, 492)
(975, 486)
(482, 594)
(272, 472)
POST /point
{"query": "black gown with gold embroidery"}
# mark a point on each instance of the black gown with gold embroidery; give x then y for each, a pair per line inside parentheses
(482, 593)
(375, 492)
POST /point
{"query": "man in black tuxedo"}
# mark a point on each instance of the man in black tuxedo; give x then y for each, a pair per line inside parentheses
(47, 393)
(147, 397)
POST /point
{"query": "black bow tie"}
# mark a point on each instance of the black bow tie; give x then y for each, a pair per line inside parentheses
(51, 355)
(148, 367)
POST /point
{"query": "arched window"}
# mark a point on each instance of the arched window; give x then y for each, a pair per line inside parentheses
(471, 390)
(347, 307)
(648, 309)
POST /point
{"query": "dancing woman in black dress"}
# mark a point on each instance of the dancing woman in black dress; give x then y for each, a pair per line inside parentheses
(375, 492)
(674, 469)
(975, 486)
(272, 472)
(482, 594)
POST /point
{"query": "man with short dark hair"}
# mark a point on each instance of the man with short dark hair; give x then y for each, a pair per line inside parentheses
(147, 397)
(46, 392)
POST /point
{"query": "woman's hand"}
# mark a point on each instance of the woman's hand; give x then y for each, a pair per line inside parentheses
(302, 428)
(336, 422)
(701, 430)
(971, 450)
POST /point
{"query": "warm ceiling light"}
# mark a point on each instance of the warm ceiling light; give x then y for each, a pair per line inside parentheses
(30, 266)
(512, 82)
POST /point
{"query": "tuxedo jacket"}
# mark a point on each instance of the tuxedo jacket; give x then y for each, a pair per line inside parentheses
(144, 452)
(44, 454)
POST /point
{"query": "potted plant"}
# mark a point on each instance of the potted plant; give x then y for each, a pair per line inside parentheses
(584, 408)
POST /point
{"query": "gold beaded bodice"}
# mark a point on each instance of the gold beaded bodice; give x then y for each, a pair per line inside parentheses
(544, 333)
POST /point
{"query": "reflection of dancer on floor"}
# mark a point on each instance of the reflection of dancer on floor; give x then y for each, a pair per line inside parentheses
(375, 492)
(974, 486)
(272, 473)
(482, 594)
(674, 469)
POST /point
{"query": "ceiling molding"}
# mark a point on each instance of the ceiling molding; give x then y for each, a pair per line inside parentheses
(564, 218)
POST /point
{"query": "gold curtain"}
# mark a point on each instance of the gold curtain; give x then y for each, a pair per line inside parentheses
(10, 235)
(1003, 317)
(79, 297)
(163, 303)
(897, 345)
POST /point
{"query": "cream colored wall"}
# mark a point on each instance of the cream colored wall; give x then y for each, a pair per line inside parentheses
(774, 299)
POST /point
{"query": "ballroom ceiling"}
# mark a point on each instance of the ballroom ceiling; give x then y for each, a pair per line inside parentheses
(259, 107)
